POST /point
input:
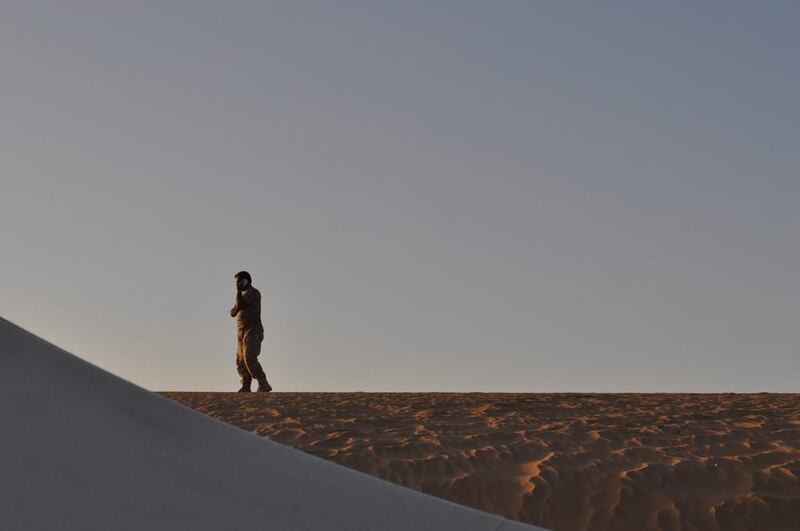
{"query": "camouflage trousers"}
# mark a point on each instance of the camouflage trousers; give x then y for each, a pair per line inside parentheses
(248, 347)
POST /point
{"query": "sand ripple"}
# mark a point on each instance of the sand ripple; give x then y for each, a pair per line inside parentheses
(633, 462)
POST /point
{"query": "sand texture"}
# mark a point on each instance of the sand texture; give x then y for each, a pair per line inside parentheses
(567, 462)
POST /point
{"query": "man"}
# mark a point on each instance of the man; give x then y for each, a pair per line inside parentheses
(249, 333)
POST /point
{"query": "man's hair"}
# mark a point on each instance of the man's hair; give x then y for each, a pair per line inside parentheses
(244, 275)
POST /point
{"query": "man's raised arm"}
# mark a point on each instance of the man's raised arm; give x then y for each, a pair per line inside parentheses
(240, 303)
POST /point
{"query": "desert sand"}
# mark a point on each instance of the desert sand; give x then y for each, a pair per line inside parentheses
(567, 462)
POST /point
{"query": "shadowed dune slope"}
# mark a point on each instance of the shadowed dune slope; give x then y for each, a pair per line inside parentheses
(84, 450)
(637, 462)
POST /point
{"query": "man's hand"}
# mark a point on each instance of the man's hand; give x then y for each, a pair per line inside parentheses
(233, 311)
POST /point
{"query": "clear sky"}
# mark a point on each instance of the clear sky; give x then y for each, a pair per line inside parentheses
(469, 196)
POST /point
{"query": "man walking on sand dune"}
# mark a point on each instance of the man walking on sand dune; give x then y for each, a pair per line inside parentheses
(249, 333)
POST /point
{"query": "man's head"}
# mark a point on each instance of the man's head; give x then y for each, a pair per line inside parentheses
(243, 280)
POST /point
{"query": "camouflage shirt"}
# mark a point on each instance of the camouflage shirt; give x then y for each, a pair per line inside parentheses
(248, 310)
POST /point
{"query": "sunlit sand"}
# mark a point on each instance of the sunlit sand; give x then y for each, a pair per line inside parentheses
(637, 462)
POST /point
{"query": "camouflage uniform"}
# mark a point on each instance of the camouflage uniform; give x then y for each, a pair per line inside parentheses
(249, 334)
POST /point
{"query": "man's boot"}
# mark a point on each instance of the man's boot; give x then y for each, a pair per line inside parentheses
(264, 386)
(246, 387)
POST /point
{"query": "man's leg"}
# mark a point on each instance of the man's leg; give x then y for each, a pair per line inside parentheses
(252, 348)
(241, 367)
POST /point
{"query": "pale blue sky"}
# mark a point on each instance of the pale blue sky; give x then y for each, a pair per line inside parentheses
(488, 196)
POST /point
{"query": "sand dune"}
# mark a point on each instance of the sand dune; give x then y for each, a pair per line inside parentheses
(564, 461)
(86, 450)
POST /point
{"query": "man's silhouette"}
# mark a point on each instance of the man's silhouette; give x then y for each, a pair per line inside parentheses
(249, 333)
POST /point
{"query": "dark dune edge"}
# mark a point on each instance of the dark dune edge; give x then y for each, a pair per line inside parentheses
(635, 462)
